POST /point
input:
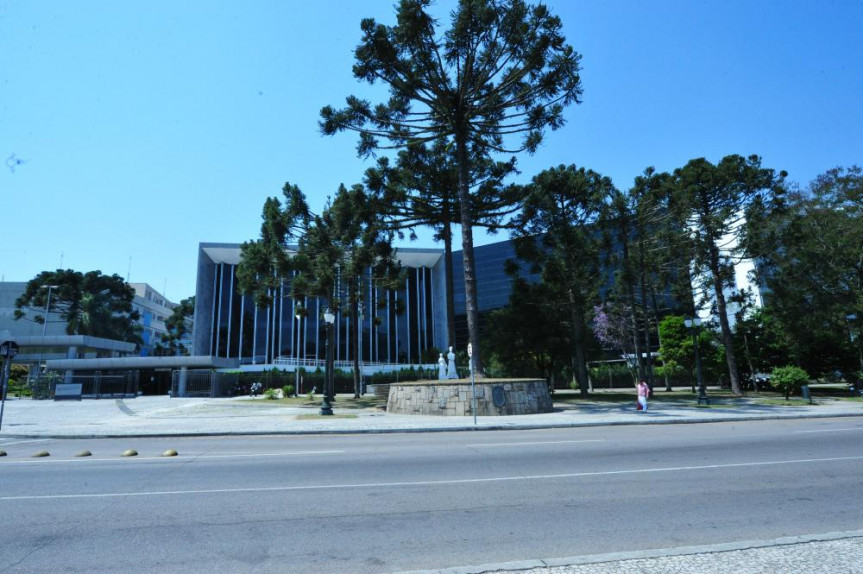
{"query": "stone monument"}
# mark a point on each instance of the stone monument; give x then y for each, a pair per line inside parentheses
(450, 369)
(441, 370)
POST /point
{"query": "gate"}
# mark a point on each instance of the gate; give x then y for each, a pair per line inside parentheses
(203, 383)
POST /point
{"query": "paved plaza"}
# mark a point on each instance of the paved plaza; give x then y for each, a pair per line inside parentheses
(166, 416)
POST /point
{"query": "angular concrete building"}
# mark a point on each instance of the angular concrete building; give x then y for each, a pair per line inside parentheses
(397, 327)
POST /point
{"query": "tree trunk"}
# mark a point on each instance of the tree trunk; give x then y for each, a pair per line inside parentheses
(628, 278)
(355, 340)
(721, 310)
(450, 281)
(655, 308)
(470, 293)
(648, 358)
(636, 345)
(579, 359)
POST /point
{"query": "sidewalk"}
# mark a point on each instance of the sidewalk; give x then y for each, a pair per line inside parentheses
(164, 416)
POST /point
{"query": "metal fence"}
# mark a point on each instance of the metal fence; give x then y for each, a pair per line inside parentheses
(204, 383)
(99, 385)
(94, 385)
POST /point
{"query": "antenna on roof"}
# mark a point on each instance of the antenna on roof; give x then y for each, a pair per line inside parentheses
(129, 270)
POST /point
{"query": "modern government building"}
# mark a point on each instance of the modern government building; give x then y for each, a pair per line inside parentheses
(400, 327)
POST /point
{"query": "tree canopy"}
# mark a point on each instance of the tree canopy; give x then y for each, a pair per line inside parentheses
(556, 233)
(812, 249)
(89, 303)
(716, 200)
(266, 262)
(422, 190)
(177, 327)
(493, 82)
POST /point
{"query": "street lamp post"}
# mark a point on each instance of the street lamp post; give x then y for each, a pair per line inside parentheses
(326, 407)
(297, 354)
(852, 318)
(692, 325)
(45, 322)
(360, 315)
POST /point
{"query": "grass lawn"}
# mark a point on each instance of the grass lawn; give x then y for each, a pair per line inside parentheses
(660, 395)
(684, 395)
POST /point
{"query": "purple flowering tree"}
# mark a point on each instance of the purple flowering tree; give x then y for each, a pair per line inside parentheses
(612, 327)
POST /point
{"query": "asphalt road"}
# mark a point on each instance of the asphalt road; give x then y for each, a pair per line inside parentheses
(388, 503)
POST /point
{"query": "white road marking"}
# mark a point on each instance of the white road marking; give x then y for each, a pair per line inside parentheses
(530, 443)
(182, 457)
(431, 482)
(246, 455)
(830, 430)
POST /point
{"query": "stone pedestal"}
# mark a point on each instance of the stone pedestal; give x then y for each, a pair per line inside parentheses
(494, 397)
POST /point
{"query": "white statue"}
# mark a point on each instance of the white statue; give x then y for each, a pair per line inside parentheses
(441, 369)
(450, 369)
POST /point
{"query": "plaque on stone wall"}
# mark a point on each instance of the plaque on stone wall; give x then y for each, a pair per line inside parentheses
(498, 396)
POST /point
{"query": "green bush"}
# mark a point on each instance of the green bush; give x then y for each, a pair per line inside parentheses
(288, 391)
(789, 379)
(271, 394)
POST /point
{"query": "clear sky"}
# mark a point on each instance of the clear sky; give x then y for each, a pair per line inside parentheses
(132, 131)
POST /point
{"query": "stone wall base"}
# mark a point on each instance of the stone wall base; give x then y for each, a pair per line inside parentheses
(494, 397)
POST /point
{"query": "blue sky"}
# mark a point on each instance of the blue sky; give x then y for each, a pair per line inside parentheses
(132, 131)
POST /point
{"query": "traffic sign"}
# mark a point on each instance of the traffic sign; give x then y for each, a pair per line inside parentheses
(8, 349)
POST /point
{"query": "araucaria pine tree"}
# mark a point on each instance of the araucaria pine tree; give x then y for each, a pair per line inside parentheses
(492, 83)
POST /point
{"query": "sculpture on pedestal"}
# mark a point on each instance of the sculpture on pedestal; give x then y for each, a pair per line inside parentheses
(441, 370)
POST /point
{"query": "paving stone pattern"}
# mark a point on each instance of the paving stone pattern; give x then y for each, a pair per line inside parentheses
(844, 556)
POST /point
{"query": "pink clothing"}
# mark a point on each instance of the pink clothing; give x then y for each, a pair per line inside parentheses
(643, 390)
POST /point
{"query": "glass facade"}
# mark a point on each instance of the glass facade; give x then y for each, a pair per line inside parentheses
(398, 326)
(494, 286)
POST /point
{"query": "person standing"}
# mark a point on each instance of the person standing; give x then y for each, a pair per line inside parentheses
(643, 394)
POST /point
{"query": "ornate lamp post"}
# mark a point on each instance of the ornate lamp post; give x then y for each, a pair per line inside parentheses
(360, 331)
(326, 407)
(692, 325)
(299, 317)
